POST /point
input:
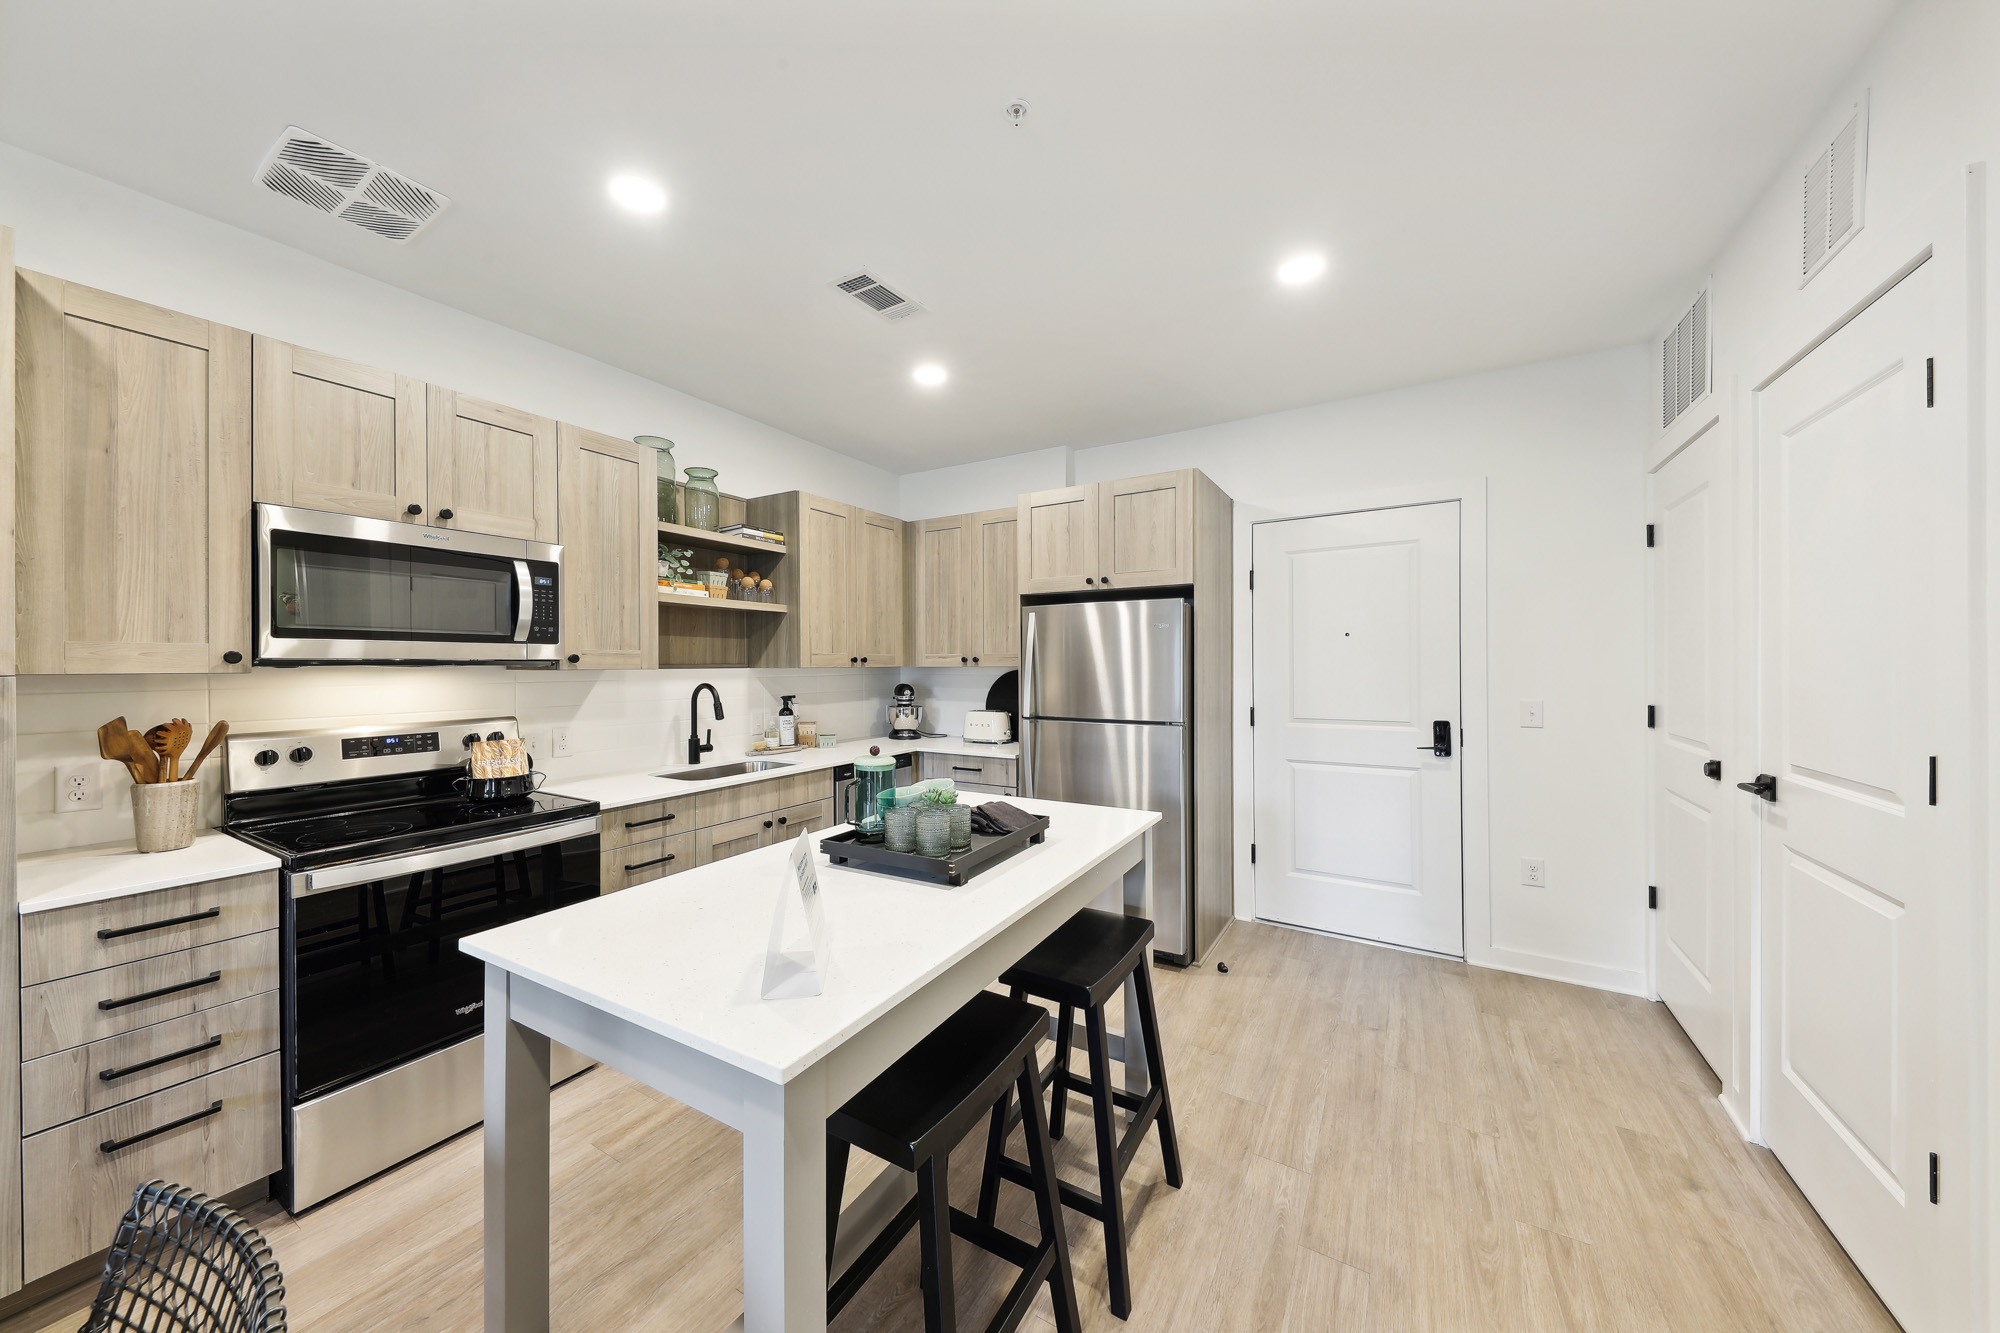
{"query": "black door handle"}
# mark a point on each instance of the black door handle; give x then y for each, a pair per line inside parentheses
(1712, 769)
(1765, 786)
(1440, 738)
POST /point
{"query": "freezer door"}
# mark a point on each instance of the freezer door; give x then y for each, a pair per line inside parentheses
(1134, 767)
(1115, 661)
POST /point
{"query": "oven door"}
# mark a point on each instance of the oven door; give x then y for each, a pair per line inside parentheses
(373, 971)
(334, 588)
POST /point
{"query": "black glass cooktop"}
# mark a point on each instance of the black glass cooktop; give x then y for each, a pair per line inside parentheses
(335, 826)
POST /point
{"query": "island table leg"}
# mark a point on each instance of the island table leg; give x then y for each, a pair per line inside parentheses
(784, 1207)
(517, 1168)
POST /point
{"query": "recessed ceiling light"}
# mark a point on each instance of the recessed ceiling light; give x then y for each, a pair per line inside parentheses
(637, 194)
(1301, 269)
(930, 374)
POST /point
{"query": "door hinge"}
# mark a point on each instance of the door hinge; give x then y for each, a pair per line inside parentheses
(1253, 715)
(1253, 580)
(1651, 717)
(1652, 896)
(1934, 1177)
(1933, 779)
(1253, 853)
(1649, 534)
(1930, 381)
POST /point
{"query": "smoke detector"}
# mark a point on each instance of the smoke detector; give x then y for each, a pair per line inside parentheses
(324, 176)
(872, 292)
(1015, 111)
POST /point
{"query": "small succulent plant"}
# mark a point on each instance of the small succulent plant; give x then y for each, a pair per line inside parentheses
(940, 796)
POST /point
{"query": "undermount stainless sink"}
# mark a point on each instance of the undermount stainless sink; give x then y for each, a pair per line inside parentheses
(735, 770)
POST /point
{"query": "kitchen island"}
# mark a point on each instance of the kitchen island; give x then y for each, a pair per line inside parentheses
(663, 982)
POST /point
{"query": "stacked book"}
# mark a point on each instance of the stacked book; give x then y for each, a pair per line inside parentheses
(754, 534)
(680, 588)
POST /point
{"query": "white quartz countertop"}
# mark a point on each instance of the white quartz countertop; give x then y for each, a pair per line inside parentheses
(624, 789)
(684, 956)
(47, 880)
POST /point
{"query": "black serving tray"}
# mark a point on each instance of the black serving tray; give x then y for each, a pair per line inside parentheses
(953, 870)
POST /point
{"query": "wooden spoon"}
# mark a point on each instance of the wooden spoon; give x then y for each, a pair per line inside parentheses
(117, 741)
(168, 741)
(215, 735)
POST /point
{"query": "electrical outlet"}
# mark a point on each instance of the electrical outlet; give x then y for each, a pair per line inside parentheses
(559, 743)
(80, 786)
(1533, 872)
(1531, 712)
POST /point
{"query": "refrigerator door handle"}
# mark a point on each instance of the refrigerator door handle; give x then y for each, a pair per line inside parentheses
(1028, 708)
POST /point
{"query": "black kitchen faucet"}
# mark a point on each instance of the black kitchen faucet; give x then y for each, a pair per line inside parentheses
(697, 747)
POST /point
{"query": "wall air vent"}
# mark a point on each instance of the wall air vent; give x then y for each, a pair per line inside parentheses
(1835, 191)
(882, 299)
(1684, 363)
(327, 177)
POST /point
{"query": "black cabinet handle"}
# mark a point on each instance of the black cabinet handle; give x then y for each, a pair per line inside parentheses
(1765, 786)
(864, 661)
(444, 514)
(413, 510)
(975, 661)
(208, 980)
(656, 861)
(852, 661)
(109, 1074)
(961, 768)
(1105, 580)
(1712, 769)
(1092, 583)
(781, 820)
(113, 1145)
(574, 658)
(767, 823)
(159, 925)
(961, 661)
(232, 657)
(643, 823)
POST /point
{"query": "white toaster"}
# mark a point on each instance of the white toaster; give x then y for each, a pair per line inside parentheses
(981, 725)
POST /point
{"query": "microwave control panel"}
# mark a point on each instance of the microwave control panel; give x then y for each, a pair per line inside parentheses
(545, 615)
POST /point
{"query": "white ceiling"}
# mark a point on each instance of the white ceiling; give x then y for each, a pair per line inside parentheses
(1496, 181)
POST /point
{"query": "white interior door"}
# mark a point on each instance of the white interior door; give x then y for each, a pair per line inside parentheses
(1855, 526)
(1356, 643)
(1695, 801)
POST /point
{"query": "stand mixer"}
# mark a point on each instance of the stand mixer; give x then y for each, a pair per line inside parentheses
(905, 715)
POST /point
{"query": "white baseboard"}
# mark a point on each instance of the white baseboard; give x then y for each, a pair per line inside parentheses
(1625, 981)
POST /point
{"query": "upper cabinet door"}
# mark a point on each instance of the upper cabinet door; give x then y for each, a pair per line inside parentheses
(942, 615)
(609, 596)
(878, 629)
(134, 470)
(1145, 529)
(824, 552)
(995, 593)
(338, 436)
(1058, 540)
(492, 468)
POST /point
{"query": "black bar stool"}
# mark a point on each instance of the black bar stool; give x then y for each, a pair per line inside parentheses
(1082, 966)
(912, 1116)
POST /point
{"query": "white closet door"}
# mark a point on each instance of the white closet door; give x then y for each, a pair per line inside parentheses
(1695, 801)
(1856, 511)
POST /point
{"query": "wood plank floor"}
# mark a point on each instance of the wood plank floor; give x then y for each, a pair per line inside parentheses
(1373, 1141)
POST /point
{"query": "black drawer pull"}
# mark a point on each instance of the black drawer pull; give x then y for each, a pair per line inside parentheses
(781, 819)
(113, 1145)
(159, 925)
(656, 861)
(108, 1074)
(208, 980)
(961, 768)
(642, 823)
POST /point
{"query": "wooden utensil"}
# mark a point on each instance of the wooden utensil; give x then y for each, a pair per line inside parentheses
(215, 735)
(168, 741)
(119, 742)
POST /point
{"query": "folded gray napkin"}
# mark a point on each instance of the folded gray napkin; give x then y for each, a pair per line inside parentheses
(997, 817)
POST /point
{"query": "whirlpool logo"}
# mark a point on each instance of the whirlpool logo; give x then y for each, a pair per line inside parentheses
(434, 536)
(476, 1004)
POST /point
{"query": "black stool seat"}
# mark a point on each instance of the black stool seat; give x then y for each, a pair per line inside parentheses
(911, 1116)
(1081, 966)
(1085, 961)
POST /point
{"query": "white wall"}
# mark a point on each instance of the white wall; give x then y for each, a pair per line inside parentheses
(1560, 446)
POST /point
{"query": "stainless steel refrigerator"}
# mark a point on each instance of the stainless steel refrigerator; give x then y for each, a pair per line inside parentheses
(1106, 702)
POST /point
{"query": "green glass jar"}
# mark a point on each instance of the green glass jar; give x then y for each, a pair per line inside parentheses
(666, 505)
(703, 503)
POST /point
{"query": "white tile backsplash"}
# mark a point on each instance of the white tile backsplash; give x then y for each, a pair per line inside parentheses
(618, 721)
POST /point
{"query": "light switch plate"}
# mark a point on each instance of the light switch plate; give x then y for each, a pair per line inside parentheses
(1531, 712)
(1533, 872)
(80, 786)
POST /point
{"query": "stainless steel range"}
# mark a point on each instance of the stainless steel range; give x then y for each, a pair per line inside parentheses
(386, 865)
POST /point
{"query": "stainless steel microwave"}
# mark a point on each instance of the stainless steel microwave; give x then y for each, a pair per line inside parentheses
(331, 588)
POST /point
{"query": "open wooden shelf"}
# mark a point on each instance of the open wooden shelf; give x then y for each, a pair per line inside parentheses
(687, 536)
(719, 603)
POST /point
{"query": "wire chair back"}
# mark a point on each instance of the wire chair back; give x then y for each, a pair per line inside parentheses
(185, 1263)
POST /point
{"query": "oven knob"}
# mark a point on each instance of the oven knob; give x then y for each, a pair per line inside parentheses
(266, 758)
(301, 755)
(496, 735)
(468, 738)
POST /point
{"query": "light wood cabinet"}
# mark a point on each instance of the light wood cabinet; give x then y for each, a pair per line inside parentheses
(841, 579)
(726, 804)
(1134, 533)
(133, 510)
(491, 468)
(337, 435)
(89, 936)
(875, 631)
(646, 822)
(92, 1005)
(964, 608)
(643, 862)
(610, 576)
(732, 839)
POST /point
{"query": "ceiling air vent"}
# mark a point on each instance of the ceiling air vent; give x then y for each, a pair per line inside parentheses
(327, 177)
(1684, 366)
(873, 293)
(1834, 193)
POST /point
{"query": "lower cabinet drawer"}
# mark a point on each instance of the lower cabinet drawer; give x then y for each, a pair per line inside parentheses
(57, 1015)
(622, 867)
(87, 1079)
(794, 820)
(731, 839)
(217, 1134)
(966, 770)
(646, 823)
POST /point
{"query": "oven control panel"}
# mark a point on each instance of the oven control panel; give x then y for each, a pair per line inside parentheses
(403, 742)
(274, 760)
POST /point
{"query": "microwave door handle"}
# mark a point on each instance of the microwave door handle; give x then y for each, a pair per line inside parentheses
(524, 596)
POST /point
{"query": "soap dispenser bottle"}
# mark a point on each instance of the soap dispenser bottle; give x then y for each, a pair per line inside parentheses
(788, 723)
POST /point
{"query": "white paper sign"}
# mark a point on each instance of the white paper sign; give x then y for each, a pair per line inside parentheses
(793, 966)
